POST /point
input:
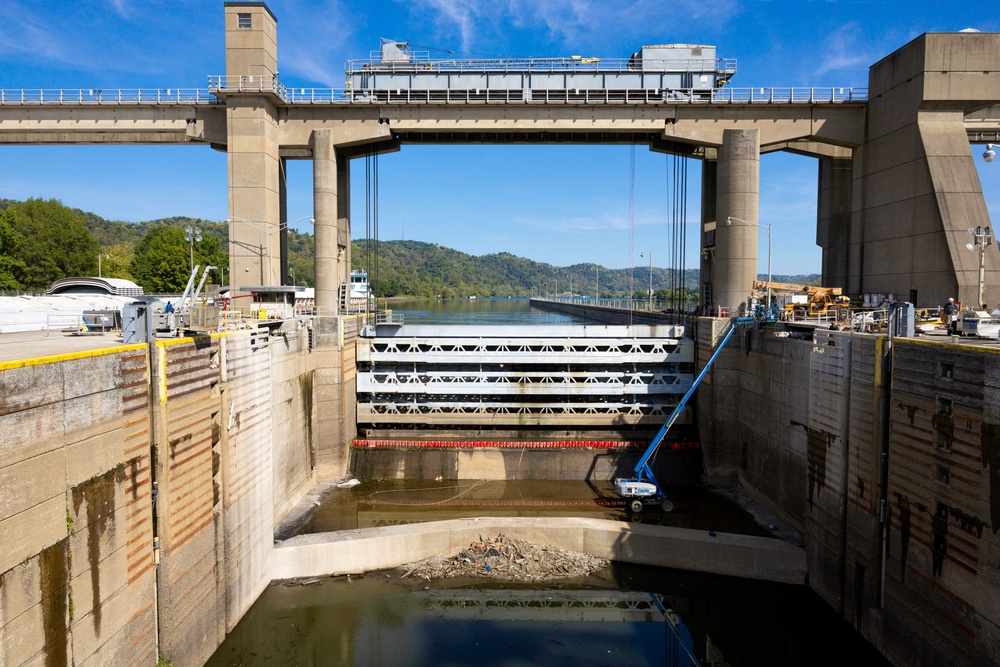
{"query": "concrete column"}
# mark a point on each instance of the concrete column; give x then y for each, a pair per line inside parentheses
(833, 219)
(283, 217)
(254, 192)
(709, 188)
(325, 210)
(738, 196)
(252, 135)
(344, 217)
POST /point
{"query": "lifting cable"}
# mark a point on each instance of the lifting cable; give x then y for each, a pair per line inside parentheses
(631, 231)
(372, 250)
(677, 192)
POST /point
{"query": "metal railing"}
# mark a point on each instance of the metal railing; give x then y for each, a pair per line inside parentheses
(812, 95)
(219, 85)
(115, 97)
(375, 64)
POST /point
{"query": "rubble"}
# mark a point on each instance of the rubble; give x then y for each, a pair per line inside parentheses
(507, 559)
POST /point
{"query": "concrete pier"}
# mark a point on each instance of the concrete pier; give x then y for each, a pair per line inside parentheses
(735, 266)
(353, 551)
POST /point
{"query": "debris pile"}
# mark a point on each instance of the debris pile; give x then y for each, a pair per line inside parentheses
(507, 559)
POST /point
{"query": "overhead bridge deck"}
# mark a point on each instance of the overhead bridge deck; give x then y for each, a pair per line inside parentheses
(588, 376)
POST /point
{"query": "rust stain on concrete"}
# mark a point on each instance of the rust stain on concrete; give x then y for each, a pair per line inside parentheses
(99, 494)
(990, 444)
(53, 563)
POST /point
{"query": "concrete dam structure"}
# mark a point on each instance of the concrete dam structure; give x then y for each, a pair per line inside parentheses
(140, 485)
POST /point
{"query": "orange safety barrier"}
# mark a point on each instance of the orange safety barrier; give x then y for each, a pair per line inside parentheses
(361, 443)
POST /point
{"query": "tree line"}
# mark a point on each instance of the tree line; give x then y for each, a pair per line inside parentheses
(41, 241)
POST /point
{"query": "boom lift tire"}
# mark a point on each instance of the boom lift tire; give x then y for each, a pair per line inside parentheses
(636, 506)
(668, 506)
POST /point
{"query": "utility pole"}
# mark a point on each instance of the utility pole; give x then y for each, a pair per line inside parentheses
(981, 239)
(642, 254)
(192, 235)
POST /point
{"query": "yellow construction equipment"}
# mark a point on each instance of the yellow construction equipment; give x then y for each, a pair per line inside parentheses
(818, 301)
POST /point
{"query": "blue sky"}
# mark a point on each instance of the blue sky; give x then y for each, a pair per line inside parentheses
(558, 204)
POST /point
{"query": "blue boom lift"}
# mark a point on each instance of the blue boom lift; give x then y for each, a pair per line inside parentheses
(643, 488)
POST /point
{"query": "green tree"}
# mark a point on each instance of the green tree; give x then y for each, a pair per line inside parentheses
(209, 252)
(54, 243)
(10, 239)
(116, 260)
(161, 262)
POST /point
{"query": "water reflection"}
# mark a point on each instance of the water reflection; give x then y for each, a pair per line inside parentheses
(605, 619)
(376, 503)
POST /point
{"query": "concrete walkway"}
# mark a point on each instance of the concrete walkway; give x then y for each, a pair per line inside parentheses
(354, 551)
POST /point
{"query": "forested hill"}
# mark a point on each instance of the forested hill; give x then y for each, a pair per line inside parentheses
(42, 241)
(414, 268)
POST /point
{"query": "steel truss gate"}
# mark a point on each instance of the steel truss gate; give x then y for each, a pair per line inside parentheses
(587, 376)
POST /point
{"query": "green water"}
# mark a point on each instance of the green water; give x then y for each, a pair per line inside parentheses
(390, 502)
(382, 619)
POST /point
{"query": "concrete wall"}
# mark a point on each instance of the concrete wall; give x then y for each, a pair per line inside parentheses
(916, 192)
(233, 436)
(76, 544)
(335, 421)
(554, 462)
(941, 601)
(224, 426)
(812, 429)
(293, 451)
(748, 556)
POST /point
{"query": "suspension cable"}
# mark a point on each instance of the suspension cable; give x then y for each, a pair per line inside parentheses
(372, 250)
(368, 219)
(631, 231)
(676, 191)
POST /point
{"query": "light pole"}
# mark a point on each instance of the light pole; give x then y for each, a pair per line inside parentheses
(643, 254)
(191, 235)
(597, 284)
(292, 274)
(764, 229)
(268, 230)
(99, 256)
(981, 239)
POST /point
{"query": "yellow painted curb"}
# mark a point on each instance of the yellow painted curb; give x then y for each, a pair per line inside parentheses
(69, 356)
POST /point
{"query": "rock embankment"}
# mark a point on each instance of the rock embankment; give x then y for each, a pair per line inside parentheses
(507, 559)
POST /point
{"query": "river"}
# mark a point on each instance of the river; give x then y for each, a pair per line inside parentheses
(475, 311)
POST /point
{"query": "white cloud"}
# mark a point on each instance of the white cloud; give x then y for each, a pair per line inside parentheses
(572, 21)
(599, 223)
(26, 33)
(122, 7)
(846, 49)
(464, 14)
(321, 34)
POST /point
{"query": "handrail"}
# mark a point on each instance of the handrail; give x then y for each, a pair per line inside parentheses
(222, 85)
(111, 97)
(375, 64)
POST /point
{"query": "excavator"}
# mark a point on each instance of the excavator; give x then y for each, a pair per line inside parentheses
(819, 300)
